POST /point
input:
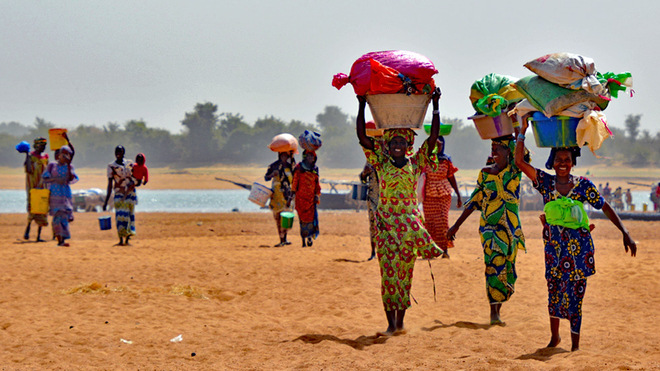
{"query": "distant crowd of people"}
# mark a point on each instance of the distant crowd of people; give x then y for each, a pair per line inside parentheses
(55, 179)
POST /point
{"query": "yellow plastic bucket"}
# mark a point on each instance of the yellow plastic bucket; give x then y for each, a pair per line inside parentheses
(39, 201)
(57, 139)
(286, 219)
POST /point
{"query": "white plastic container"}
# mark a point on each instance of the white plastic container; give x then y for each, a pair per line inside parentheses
(260, 194)
(392, 111)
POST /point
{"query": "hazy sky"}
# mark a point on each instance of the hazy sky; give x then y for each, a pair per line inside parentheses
(94, 62)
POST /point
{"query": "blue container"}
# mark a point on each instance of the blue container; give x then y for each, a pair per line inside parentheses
(23, 147)
(360, 192)
(105, 223)
(556, 131)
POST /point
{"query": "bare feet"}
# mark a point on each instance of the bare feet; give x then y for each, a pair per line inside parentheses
(400, 331)
(554, 342)
(309, 241)
(373, 255)
(445, 255)
(387, 333)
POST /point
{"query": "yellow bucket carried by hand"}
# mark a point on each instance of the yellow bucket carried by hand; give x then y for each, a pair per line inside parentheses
(39, 201)
(57, 139)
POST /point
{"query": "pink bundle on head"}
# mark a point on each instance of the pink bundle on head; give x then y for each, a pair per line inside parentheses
(372, 70)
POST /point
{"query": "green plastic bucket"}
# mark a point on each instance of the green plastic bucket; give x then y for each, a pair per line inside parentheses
(286, 219)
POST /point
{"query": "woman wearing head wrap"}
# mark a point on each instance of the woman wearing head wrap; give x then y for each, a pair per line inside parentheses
(569, 248)
(35, 165)
(401, 233)
(281, 174)
(306, 190)
(59, 175)
(120, 181)
(439, 182)
(497, 196)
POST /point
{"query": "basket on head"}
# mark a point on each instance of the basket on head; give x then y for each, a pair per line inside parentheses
(392, 111)
(493, 127)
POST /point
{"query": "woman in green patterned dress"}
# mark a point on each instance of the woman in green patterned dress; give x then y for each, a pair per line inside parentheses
(401, 234)
(497, 196)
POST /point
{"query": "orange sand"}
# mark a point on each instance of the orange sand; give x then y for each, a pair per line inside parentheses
(240, 304)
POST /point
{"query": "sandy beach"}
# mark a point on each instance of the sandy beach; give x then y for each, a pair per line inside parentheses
(239, 303)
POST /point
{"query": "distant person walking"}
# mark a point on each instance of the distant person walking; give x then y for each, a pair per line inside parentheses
(59, 176)
(306, 191)
(35, 165)
(121, 183)
(280, 173)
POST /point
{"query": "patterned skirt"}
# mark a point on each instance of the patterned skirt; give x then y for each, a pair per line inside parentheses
(436, 219)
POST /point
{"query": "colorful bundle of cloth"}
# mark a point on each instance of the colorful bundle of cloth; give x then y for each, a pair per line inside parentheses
(568, 84)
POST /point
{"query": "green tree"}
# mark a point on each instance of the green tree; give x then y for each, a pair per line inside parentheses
(632, 126)
(201, 147)
(340, 145)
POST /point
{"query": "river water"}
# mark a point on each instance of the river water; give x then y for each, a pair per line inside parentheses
(202, 201)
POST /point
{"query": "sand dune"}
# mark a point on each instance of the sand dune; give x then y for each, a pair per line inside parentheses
(240, 304)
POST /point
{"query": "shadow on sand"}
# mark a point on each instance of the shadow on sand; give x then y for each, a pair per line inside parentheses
(359, 344)
(543, 354)
(462, 324)
(341, 260)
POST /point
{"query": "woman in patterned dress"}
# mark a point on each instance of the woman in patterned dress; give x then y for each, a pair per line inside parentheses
(120, 181)
(281, 174)
(401, 233)
(35, 165)
(437, 196)
(497, 196)
(306, 191)
(59, 175)
(569, 248)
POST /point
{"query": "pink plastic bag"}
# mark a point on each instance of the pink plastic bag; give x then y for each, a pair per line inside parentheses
(414, 66)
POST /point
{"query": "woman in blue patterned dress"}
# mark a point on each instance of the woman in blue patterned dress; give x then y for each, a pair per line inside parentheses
(59, 175)
(569, 248)
(401, 234)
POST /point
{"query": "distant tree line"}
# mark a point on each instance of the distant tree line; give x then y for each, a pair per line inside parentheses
(211, 138)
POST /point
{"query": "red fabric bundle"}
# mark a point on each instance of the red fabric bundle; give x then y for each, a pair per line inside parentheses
(378, 73)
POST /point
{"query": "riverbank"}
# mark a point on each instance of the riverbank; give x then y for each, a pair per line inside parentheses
(205, 178)
(238, 303)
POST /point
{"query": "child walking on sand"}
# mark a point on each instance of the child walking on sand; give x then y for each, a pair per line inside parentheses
(401, 233)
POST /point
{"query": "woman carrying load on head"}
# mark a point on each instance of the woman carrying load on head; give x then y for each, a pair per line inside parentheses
(59, 175)
(401, 233)
(281, 174)
(120, 181)
(569, 248)
(497, 197)
(306, 190)
(439, 183)
(35, 164)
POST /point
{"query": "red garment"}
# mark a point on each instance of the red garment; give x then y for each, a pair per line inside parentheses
(141, 172)
(306, 186)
